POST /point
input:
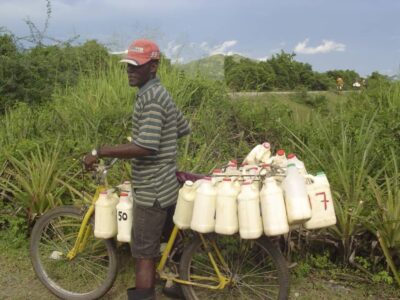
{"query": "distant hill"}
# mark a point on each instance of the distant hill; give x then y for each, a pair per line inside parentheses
(211, 66)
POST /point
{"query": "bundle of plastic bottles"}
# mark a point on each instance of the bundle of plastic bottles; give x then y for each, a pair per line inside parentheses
(265, 194)
(113, 213)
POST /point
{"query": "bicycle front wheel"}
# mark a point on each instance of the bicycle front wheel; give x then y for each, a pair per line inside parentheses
(87, 276)
(253, 269)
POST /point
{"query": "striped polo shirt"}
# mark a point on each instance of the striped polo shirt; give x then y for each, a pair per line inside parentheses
(157, 125)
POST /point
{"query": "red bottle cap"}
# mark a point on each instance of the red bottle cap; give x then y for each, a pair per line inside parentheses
(281, 152)
(291, 155)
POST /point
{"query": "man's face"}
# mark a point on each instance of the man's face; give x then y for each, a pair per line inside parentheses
(139, 75)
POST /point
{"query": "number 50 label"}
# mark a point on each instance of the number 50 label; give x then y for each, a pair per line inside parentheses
(122, 216)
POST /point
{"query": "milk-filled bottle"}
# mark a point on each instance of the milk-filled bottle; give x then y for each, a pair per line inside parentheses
(250, 224)
(280, 160)
(292, 159)
(258, 154)
(264, 154)
(296, 198)
(264, 169)
(203, 219)
(232, 168)
(124, 217)
(251, 157)
(217, 176)
(250, 172)
(126, 186)
(105, 216)
(323, 210)
(226, 218)
(232, 165)
(184, 206)
(242, 167)
(273, 210)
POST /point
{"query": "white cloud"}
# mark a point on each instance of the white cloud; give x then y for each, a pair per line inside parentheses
(326, 47)
(174, 51)
(223, 48)
(263, 58)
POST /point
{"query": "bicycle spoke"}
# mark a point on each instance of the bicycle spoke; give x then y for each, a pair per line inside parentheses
(86, 272)
(247, 265)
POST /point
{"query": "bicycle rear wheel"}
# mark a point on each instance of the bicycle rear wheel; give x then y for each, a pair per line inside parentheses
(255, 269)
(87, 276)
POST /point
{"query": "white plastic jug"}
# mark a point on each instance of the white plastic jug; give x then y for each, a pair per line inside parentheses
(105, 217)
(250, 224)
(126, 186)
(258, 154)
(292, 159)
(273, 210)
(203, 219)
(250, 172)
(298, 207)
(124, 217)
(280, 160)
(226, 218)
(184, 206)
(265, 154)
(217, 176)
(232, 168)
(323, 210)
(264, 169)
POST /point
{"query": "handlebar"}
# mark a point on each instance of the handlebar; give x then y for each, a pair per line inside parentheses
(100, 170)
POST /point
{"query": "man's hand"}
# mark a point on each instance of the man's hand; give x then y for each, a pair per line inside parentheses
(89, 160)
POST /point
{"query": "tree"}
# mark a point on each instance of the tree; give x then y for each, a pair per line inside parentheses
(348, 76)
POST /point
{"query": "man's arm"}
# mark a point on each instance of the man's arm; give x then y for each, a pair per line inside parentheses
(124, 151)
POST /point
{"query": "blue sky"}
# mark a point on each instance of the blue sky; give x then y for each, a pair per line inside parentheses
(363, 35)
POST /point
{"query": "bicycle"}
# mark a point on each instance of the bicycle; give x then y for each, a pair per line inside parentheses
(72, 264)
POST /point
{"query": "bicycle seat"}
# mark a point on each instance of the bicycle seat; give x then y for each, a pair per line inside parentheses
(183, 176)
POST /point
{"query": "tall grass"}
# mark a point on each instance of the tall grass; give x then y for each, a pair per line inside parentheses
(346, 155)
(384, 218)
(35, 181)
(350, 145)
(96, 111)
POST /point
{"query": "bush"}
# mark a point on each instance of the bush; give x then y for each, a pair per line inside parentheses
(32, 75)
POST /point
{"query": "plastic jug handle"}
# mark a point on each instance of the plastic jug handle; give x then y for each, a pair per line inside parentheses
(309, 177)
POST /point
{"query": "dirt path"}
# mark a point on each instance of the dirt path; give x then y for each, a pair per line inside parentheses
(18, 281)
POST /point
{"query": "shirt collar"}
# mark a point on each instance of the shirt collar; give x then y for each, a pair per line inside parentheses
(147, 86)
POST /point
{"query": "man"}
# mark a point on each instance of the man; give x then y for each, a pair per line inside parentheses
(157, 124)
(339, 84)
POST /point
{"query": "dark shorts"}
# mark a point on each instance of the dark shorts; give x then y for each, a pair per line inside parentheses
(150, 225)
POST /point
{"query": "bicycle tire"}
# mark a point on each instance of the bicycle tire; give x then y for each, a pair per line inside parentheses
(194, 259)
(55, 233)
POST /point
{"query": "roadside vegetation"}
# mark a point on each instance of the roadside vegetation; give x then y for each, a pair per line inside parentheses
(58, 102)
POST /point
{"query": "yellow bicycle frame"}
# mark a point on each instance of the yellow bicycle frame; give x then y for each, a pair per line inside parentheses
(86, 229)
(222, 280)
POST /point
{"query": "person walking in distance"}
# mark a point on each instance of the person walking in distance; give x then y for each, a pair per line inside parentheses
(339, 84)
(157, 125)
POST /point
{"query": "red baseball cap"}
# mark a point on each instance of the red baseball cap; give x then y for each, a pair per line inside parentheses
(140, 52)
